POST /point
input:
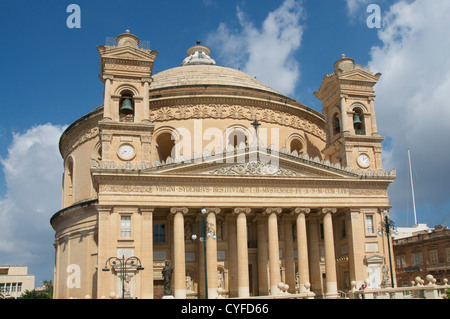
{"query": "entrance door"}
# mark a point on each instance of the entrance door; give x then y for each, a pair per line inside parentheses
(158, 289)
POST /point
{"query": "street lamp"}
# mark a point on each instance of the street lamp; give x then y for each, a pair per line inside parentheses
(387, 226)
(122, 263)
(206, 231)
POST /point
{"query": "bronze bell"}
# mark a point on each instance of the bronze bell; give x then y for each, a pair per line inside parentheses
(356, 119)
(337, 125)
(127, 107)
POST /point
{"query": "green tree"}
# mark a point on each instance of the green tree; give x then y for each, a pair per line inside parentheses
(46, 294)
(34, 295)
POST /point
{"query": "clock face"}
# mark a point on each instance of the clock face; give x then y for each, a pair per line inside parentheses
(363, 160)
(126, 151)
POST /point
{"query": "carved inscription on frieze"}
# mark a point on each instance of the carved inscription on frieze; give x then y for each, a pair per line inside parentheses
(260, 190)
(249, 190)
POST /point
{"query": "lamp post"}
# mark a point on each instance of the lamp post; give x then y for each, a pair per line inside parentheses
(206, 231)
(122, 263)
(387, 227)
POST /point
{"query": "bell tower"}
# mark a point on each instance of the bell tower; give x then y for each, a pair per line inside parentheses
(126, 71)
(348, 105)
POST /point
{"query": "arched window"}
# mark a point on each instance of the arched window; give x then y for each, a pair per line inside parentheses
(296, 142)
(68, 182)
(164, 145)
(358, 122)
(236, 137)
(296, 145)
(126, 107)
(336, 124)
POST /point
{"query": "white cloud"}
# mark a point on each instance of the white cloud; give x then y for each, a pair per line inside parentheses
(355, 6)
(412, 98)
(267, 52)
(33, 172)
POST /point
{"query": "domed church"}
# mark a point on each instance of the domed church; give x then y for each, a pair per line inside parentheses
(202, 182)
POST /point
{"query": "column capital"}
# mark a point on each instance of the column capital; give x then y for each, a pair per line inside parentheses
(148, 80)
(107, 77)
(176, 210)
(242, 210)
(147, 209)
(272, 210)
(300, 210)
(103, 208)
(147, 212)
(212, 210)
(329, 210)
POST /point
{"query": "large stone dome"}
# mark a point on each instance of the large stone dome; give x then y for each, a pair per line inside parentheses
(199, 69)
(206, 75)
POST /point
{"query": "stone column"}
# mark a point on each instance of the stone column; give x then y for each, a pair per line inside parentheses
(179, 262)
(147, 252)
(232, 255)
(146, 106)
(314, 254)
(105, 281)
(211, 254)
(373, 119)
(302, 247)
(274, 249)
(356, 250)
(330, 259)
(107, 98)
(242, 251)
(289, 263)
(344, 117)
(263, 279)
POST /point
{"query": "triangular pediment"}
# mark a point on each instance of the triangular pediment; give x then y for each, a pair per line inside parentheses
(245, 163)
(129, 53)
(359, 75)
(256, 164)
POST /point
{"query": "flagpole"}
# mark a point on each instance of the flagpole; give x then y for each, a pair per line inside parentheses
(412, 187)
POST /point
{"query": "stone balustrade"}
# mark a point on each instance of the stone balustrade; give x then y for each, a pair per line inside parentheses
(418, 290)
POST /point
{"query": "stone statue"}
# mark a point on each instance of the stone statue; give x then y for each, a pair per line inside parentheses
(167, 275)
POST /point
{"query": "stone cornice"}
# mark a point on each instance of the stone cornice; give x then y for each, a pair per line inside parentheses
(73, 208)
(80, 131)
(129, 127)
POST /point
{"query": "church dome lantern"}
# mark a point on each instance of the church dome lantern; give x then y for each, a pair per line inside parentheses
(198, 54)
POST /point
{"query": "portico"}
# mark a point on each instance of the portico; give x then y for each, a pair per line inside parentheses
(268, 230)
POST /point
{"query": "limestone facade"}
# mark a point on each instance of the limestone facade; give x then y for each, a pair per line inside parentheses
(287, 194)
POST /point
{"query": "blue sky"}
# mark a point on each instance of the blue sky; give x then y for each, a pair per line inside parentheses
(50, 79)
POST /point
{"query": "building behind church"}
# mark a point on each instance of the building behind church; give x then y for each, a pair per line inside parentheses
(286, 194)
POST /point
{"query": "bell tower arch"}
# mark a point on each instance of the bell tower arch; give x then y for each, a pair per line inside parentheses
(348, 105)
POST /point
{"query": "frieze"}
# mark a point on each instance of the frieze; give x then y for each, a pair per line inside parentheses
(236, 112)
(368, 192)
(263, 190)
(78, 139)
(109, 188)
